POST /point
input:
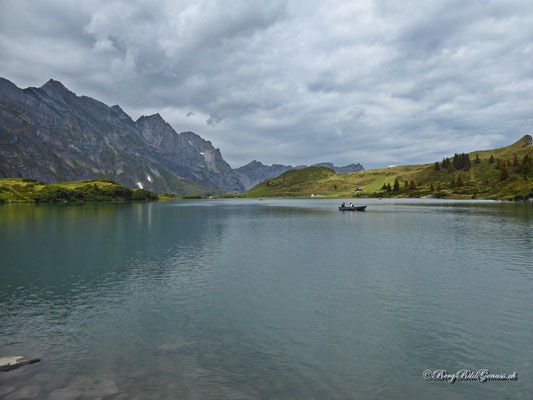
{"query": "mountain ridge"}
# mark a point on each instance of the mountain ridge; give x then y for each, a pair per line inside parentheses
(51, 134)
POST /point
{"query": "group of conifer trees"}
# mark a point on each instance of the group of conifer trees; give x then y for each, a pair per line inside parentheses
(457, 182)
(458, 161)
(524, 168)
(396, 187)
(462, 162)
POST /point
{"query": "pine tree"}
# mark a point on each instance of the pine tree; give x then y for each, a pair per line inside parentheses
(437, 166)
(406, 184)
(455, 161)
(516, 163)
(388, 187)
(477, 161)
(498, 164)
(384, 187)
(396, 185)
(504, 174)
(431, 188)
(439, 188)
(526, 167)
(412, 185)
(460, 182)
(491, 159)
(452, 183)
(467, 162)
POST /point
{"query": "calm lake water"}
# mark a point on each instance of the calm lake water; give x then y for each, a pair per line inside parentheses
(273, 299)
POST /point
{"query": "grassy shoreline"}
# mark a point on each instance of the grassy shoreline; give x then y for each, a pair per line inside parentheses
(26, 190)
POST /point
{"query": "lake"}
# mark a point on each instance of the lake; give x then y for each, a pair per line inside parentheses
(273, 299)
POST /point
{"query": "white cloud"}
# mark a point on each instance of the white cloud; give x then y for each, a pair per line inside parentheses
(375, 82)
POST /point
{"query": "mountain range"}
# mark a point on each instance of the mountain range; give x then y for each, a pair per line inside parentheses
(51, 134)
(256, 172)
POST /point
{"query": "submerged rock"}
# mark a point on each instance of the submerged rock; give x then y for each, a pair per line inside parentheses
(13, 362)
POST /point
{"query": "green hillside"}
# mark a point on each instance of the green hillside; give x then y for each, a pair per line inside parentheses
(23, 190)
(503, 173)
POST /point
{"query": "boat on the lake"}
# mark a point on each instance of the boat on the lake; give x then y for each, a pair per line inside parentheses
(352, 208)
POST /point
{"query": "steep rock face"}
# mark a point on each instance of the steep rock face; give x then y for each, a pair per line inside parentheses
(188, 155)
(256, 172)
(51, 134)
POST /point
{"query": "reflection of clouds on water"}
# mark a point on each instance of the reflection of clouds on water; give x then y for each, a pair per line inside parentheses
(249, 299)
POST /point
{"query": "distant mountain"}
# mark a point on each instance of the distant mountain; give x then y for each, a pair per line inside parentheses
(341, 170)
(256, 172)
(51, 134)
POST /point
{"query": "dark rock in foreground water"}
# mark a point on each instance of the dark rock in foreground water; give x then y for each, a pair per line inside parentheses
(9, 363)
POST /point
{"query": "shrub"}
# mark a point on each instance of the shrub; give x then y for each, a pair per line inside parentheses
(143, 195)
(30, 180)
(53, 194)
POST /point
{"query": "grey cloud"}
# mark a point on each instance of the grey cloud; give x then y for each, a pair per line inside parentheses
(376, 82)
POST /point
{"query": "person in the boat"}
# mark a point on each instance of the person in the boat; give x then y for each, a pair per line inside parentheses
(351, 204)
(343, 204)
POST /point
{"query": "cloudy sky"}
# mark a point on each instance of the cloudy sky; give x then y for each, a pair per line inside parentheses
(376, 82)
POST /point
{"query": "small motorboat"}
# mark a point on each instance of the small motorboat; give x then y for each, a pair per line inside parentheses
(353, 208)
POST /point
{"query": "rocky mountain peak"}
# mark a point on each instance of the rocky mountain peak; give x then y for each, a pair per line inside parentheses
(254, 163)
(152, 118)
(57, 91)
(120, 113)
(195, 140)
(55, 85)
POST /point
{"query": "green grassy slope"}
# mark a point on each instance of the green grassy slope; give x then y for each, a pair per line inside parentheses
(481, 180)
(22, 190)
(296, 182)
